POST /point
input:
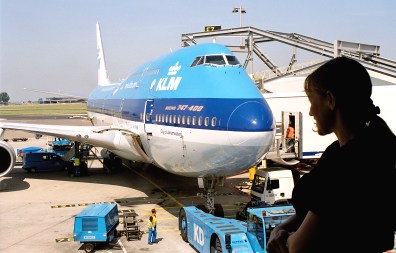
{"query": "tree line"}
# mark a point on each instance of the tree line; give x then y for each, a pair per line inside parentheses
(4, 98)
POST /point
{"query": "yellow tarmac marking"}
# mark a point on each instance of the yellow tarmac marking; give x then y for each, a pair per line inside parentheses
(71, 239)
(159, 188)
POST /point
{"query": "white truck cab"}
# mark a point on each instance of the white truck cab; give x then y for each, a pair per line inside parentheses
(272, 185)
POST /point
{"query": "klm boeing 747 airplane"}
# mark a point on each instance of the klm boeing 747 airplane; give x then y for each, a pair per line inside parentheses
(194, 112)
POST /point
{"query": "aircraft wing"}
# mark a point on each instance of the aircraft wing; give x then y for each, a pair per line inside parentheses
(116, 140)
(57, 94)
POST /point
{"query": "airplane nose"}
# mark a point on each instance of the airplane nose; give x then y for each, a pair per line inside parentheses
(250, 116)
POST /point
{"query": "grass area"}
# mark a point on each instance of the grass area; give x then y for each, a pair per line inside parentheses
(40, 109)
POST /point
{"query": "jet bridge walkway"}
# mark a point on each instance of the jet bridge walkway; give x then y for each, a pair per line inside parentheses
(366, 54)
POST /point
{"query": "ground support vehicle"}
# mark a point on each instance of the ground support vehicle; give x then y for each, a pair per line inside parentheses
(22, 151)
(60, 146)
(96, 224)
(44, 161)
(270, 187)
(208, 233)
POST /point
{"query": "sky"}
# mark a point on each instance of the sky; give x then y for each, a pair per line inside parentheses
(51, 44)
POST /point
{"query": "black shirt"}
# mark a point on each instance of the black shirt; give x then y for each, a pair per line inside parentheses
(352, 190)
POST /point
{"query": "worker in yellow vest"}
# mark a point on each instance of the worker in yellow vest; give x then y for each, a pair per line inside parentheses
(154, 215)
(77, 166)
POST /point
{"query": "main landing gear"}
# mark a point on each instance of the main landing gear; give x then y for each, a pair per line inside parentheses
(209, 184)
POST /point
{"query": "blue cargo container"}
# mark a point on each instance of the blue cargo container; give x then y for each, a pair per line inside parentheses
(96, 224)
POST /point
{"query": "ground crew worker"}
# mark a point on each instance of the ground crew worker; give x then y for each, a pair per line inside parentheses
(150, 228)
(154, 215)
(77, 166)
(290, 138)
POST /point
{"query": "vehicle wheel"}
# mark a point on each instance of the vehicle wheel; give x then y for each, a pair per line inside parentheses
(215, 246)
(183, 224)
(89, 247)
(219, 211)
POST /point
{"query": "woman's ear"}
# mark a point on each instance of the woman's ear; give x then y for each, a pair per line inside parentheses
(331, 101)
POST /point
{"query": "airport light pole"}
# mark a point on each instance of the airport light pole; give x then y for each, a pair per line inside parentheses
(241, 11)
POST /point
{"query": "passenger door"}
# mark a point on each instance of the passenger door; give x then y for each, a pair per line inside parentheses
(148, 114)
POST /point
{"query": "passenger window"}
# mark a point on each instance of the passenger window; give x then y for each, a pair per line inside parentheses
(174, 119)
(206, 122)
(188, 120)
(166, 118)
(200, 121)
(184, 120)
(194, 119)
(214, 121)
(163, 118)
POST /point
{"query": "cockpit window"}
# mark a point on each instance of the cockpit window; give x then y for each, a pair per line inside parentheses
(215, 60)
(232, 60)
(198, 60)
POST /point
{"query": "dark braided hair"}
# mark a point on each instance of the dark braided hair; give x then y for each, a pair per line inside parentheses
(351, 85)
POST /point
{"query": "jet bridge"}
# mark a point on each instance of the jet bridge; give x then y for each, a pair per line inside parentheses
(367, 55)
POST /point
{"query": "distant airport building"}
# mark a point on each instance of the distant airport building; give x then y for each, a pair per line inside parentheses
(60, 100)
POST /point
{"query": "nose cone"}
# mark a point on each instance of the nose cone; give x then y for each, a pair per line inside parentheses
(250, 135)
(251, 116)
(254, 117)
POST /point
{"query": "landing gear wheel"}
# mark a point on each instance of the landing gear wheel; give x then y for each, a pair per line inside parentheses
(202, 207)
(183, 224)
(215, 246)
(89, 247)
(219, 211)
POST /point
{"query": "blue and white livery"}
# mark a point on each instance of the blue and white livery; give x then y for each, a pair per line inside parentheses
(194, 112)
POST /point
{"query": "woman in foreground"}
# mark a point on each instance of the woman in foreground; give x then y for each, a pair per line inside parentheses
(347, 203)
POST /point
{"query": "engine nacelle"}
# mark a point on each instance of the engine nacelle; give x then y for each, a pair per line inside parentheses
(7, 158)
(105, 153)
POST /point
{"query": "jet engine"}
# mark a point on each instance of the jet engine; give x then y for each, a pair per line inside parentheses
(7, 158)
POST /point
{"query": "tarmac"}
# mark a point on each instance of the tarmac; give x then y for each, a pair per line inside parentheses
(37, 210)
